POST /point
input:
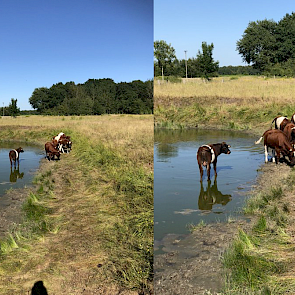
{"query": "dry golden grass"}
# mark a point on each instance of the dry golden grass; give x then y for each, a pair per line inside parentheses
(242, 88)
(131, 135)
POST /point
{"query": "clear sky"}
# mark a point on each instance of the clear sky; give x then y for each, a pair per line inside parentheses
(186, 24)
(44, 42)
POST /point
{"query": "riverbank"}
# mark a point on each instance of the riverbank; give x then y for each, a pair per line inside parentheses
(246, 258)
(87, 224)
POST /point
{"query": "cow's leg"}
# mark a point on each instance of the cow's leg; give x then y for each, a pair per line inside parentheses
(214, 166)
(273, 154)
(278, 154)
(266, 153)
(201, 172)
(208, 171)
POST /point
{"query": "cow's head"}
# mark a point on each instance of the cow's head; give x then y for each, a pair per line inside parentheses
(225, 148)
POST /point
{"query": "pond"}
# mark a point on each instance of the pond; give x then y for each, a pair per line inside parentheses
(20, 176)
(180, 199)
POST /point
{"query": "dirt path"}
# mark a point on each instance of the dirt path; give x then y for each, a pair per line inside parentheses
(70, 261)
(192, 265)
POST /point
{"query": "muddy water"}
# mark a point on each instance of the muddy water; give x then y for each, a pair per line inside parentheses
(21, 176)
(181, 199)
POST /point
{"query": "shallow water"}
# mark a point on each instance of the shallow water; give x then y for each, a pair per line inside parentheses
(180, 198)
(20, 176)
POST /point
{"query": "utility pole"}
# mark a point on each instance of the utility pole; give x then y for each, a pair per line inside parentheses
(185, 64)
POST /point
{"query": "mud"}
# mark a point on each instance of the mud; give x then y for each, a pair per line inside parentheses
(192, 264)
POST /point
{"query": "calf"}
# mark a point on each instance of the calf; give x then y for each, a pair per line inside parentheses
(278, 141)
(280, 122)
(51, 151)
(14, 156)
(208, 154)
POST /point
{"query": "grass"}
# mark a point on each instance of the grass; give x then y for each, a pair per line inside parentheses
(261, 258)
(94, 207)
(241, 104)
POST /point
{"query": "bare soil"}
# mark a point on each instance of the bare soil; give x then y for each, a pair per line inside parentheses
(192, 265)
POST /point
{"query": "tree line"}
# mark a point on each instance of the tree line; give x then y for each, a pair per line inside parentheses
(268, 47)
(166, 63)
(94, 97)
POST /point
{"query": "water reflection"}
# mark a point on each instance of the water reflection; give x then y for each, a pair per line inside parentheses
(15, 174)
(212, 196)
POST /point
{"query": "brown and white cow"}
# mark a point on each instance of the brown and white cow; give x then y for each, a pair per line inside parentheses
(14, 156)
(280, 122)
(208, 154)
(51, 151)
(293, 118)
(278, 141)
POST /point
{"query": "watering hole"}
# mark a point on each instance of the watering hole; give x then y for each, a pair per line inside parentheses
(21, 176)
(180, 199)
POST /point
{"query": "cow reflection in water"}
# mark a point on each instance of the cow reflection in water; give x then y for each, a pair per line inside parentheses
(15, 175)
(211, 196)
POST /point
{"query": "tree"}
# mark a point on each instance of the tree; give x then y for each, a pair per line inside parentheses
(285, 38)
(164, 54)
(258, 44)
(13, 110)
(205, 62)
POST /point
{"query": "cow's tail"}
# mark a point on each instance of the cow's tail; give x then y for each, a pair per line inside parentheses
(259, 140)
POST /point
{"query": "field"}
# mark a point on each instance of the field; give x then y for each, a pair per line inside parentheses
(260, 259)
(88, 221)
(227, 102)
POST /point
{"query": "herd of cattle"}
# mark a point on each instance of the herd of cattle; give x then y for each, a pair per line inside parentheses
(280, 140)
(59, 144)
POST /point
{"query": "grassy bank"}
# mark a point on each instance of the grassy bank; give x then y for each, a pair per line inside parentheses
(260, 259)
(88, 225)
(241, 103)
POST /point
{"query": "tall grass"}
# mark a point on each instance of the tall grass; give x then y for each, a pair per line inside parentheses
(243, 103)
(257, 260)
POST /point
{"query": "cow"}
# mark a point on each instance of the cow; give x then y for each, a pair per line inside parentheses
(64, 144)
(278, 141)
(57, 138)
(212, 196)
(289, 130)
(208, 154)
(280, 122)
(14, 156)
(51, 151)
(293, 118)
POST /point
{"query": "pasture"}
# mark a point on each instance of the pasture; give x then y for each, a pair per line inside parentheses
(88, 221)
(241, 103)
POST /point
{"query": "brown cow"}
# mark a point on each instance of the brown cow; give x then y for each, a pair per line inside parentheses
(278, 141)
(280, 122)
(208, 154)
(14, 156)
(289, 130)
(51, 151)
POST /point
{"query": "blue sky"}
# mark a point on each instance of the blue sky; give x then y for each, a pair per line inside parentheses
(46, 42)
(186, 24)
